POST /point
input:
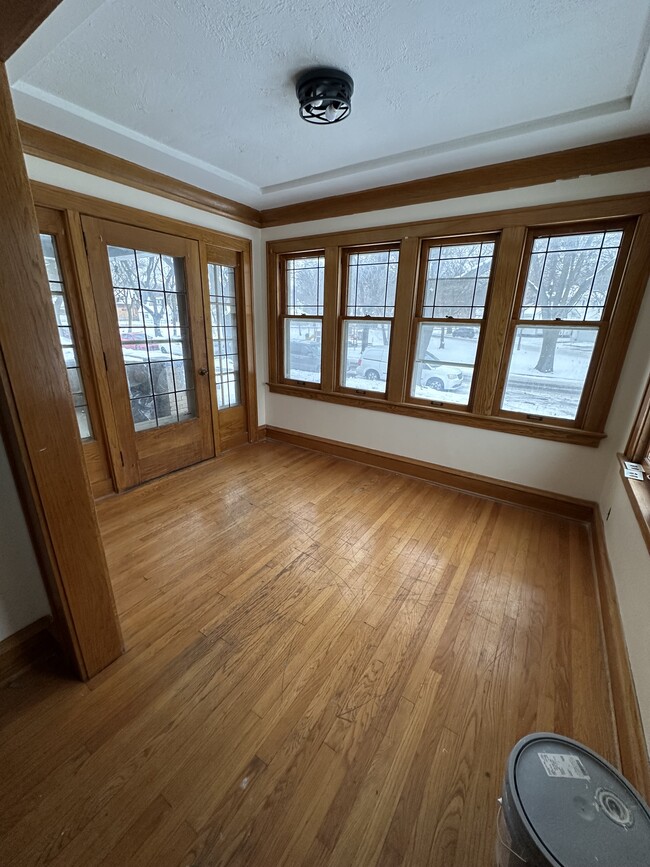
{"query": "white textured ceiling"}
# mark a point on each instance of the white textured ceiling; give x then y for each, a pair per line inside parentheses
(204, 91)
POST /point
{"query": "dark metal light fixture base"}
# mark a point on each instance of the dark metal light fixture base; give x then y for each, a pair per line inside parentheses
(324, 95)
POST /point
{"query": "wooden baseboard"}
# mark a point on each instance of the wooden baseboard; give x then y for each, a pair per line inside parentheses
(261, 433)
(632, 745)
(22, 649)
(471, 483)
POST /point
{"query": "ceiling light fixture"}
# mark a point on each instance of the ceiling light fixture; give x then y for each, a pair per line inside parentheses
(324, 95)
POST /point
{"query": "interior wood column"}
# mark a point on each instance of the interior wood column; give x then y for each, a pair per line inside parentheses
(40, 423)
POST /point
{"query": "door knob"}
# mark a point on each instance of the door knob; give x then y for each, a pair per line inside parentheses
(203, 371)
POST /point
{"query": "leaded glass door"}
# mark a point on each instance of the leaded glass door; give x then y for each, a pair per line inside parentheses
(148, 293)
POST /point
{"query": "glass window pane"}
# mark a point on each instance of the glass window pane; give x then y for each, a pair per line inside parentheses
(444, 362)
(569, 276)
(366, 347)
(66, 335)
(51, 259)
(457, 280)
(223, 316)
(305, 280)
(372, 279)
(154, 331)
(547, 371)
(302, 349)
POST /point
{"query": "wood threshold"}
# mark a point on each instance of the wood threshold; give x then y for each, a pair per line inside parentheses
(627, 716)
(56, 148)
(471, 483)
(639, 495)
(25, 647)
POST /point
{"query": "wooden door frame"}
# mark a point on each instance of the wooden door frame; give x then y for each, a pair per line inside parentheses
(218, 255)
(79, 205)
(40, 427)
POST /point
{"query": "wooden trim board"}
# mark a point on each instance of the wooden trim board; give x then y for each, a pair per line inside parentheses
(596, 159)
(471, 483)
(41, 431)
(56, 148)
(613, 156)
(629, 728)
(22, 649)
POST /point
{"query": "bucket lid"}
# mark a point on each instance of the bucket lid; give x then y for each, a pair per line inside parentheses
(573, 807)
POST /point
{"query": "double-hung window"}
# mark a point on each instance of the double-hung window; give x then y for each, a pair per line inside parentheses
(303, 299)
(369, 308)
(562, 313)
(451, 307)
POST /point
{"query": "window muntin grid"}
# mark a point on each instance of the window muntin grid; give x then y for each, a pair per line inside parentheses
(303, 305)
(305, 281)
(66, 335)
(372, 281)
(569, 276)
(225, 348)
(151, 303)
(456, 282)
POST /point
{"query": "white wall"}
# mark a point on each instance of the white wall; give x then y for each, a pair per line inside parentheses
(22, 594)
(628, 553)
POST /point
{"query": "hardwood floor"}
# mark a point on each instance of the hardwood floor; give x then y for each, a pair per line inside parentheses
(327, 665)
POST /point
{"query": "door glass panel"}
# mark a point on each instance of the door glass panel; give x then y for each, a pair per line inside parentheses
(66, 335)
(151, 302)
(225, 350)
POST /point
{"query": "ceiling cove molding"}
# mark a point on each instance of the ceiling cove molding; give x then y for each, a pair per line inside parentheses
(51, 146)
(99, 121)
(453, 145)
(613, 156)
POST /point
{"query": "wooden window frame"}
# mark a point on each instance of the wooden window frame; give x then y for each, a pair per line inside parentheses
(638, 450)
(343, 317)
(512, 229)
(418, 319)
(602, 326)
(282, 306)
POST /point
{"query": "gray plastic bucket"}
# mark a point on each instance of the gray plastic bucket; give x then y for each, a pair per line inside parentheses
(565, 806)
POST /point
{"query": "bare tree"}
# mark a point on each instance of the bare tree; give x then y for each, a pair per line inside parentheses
(561, 281)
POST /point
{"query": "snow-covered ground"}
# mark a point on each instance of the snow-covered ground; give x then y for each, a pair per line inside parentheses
(527, 390)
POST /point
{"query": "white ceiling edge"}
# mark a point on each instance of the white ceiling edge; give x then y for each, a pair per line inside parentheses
(620, 118)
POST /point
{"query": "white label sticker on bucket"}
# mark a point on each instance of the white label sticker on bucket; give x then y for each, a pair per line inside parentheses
(563, 765)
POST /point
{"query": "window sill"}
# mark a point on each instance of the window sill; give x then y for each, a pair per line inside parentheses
(639, 493)
(451, 416)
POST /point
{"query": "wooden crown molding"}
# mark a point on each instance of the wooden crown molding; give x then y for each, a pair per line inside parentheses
(596, 159)
(56, 148)
(612, 156)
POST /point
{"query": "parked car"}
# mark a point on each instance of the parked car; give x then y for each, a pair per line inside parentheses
(137, 340)
(464, 331)
(304, 355)
(431, 372)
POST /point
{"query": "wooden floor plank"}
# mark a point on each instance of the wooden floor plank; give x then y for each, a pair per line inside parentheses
(327, 664)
